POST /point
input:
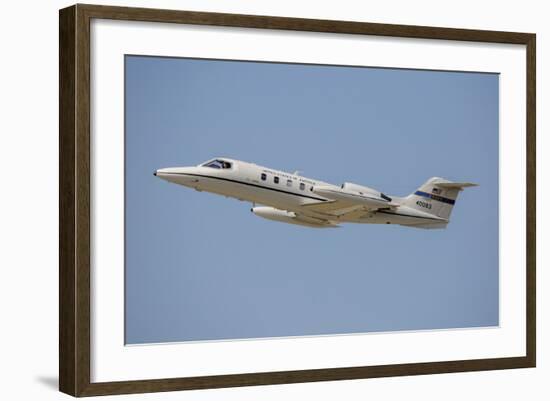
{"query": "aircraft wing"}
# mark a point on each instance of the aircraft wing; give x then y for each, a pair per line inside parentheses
(301, 219)
(332, 208)
(304, 220)
(345, 202)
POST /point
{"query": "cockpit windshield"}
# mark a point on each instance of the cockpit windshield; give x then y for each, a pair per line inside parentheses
(217, 163)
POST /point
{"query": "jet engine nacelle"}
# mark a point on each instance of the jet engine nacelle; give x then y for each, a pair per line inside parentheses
(355, 195)
(349, 186)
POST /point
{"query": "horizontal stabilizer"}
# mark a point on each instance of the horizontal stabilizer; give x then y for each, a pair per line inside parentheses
(455, 185)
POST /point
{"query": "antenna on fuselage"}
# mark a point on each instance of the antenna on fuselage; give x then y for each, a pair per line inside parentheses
(297, 172)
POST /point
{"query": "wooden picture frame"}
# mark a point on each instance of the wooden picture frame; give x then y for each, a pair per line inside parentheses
(74, 200)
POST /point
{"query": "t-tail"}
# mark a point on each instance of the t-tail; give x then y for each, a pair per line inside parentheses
(437, 196)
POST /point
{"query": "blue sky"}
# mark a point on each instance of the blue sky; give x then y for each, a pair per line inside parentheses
(202, 267)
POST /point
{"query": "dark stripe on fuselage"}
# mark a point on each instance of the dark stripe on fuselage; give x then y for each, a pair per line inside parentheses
(409, 215)
(435, 197)
(249, 184)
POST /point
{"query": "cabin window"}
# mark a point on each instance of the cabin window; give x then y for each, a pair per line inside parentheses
(386, 197)
(276, 180)
(302, 186)
(221, 164)
(288, 183)
(263, 176)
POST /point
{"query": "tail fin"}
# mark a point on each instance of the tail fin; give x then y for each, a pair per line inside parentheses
(436, 196)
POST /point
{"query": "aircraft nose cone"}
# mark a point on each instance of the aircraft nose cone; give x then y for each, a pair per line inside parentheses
(179, 175)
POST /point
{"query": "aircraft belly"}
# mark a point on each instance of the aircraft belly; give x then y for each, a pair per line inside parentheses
(389, 218)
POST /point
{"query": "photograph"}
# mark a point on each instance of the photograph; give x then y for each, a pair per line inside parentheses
(259, 199)
(272, 199)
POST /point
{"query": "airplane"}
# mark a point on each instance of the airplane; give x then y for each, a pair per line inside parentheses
(294, 199)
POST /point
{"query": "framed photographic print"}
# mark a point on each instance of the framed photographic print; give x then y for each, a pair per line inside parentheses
(250, 200)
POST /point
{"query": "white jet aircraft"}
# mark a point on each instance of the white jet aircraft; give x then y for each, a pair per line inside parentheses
(291, 198)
